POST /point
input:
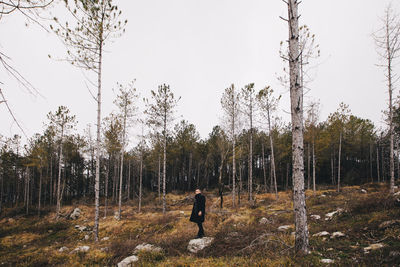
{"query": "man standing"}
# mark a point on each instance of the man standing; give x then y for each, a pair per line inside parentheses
(198, 212)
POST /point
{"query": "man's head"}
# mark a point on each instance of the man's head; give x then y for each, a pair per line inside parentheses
(197, 191)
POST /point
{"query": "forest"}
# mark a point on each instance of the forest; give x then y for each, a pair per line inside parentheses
(263, 176)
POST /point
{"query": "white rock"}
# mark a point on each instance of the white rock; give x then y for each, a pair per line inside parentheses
(364, 191)
(87, 237)
(322, 195)
(284, 228)
(50, 231)
(116, 215)
(195, 245)
(146, 247)
(62, 249)
(75, 214)
(128, 261)
(81, 249)
(315, 217)
(323, 233)
(330, 215)
(264, 220)
(337, 234)
(105, 249)
(329, 249)
(387, 224)
(328, 261)
(182, 212)
(396, 194)
(373, 247)
(105, 238)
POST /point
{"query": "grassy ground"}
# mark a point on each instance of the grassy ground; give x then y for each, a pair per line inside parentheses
(240, 240)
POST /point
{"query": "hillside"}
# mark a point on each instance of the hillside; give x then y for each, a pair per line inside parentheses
(366, 215)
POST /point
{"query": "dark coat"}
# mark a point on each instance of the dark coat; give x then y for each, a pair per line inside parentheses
(198, 205)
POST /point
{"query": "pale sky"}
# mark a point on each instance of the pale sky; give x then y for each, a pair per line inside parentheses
(200, 48)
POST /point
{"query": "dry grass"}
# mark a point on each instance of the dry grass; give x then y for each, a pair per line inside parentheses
(240, 240)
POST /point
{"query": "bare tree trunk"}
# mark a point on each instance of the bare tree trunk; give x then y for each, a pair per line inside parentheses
(264, 168)
(27, 190)
(59, 174)
(140, 181)
(339, 159)
(271, 142)
(313, 163)
(98, 151)
(164, 166)
(251, 161)
(190, 172)
(296, 97)
(370, 162)
(308, 166)
(122, 163)
(129, 180)
(233, 169)
(220, 184)
(2, 190)
(106, 186)
(159, 177)
(40, 190)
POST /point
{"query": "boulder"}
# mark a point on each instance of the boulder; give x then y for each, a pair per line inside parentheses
(198, 244)
(75, 214)
(284, 228)
(327, 261)
(364, 191)
(62, 249)
(81, 249)
(315, 217)
(323, 233)
(337, 234)
(373, 247)
(147, 248)
(105, 238)
(330, 215)
(81, 228)
(116, 215)
(128, 261)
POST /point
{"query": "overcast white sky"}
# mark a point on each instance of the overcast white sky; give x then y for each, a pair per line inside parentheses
(200, 48)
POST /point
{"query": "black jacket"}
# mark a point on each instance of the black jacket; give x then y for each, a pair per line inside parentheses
(198, 205)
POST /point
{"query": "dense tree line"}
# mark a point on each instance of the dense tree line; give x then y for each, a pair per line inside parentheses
(29, 173)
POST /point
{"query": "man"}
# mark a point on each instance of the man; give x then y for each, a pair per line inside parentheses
(198, 212)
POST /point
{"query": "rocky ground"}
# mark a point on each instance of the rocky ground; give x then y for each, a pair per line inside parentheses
(359, 226)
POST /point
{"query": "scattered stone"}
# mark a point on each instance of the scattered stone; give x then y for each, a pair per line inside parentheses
(81, 249)
(315, 217)
(11, 220)
(198, 244)
(116, 215)
(323, 195)
(284, 228)
(128, 261)
(105, 238)
(327, 261)
(364, 191)
(373, 247)
(233, 234)
(147, 248)
(87, 237)
(396, 194)
(81, 228)
(387, 224)
(337, 234)
(330, 215)
(323, 233)
(329, 249)
(264, 220)
(24, 246)
(182, 212)
(75, 214)
(62, 249)
(50, 231)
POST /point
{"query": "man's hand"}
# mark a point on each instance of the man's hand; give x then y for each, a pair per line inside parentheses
(199, 213)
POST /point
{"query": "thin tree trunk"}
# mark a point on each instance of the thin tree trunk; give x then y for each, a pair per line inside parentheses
(313, 163)
(59, 174)
(140, 181)
(40, 190)
(251, 160)
(106, 186)
(159, 177)
(164, 164)
(308, 166)
(233, 168)
(190, 172)
(370, 162)
(339, 159)
(273, 169)
(263, 165)
(122, 163)
(296, 97)
(98, 143)
(377, 164)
